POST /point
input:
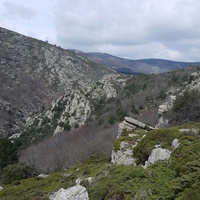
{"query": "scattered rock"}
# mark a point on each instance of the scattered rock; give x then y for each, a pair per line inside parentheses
(185, 130)
(67, 175)
(77, 192)
(89, 179)
(43, 175)
(78, 181)
(175, 143)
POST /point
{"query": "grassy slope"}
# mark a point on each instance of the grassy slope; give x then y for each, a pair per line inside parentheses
(176, 178)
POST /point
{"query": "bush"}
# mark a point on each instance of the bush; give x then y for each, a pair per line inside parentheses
(8, 153)
(186, 108)
(16, 172)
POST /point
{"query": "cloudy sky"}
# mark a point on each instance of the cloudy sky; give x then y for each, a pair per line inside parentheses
(136, 29)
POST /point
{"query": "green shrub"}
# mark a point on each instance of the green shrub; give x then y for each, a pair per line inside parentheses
(186, 108)
(16, 172)
(164, 137)
(8, 153)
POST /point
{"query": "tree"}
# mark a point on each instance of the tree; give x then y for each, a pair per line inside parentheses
(8, 153)
(16, 172)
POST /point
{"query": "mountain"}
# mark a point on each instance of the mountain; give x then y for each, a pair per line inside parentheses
(94, 133)
(136, 67)
(33, 73)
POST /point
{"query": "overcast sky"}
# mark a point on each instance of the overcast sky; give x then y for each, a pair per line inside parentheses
(136, 29)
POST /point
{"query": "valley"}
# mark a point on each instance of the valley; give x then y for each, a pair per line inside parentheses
(70, 124)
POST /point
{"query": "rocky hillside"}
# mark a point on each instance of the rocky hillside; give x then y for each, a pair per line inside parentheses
(34, 73)
(146, 164)
(135, 67)
(107, 102)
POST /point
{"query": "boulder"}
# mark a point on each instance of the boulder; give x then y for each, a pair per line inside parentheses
(135, 122)
(1, 188)
(158, 154)
(125, 126)
(123, 158)
(77, 192)
(175, 143)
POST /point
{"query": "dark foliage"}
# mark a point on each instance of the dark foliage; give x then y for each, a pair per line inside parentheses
(186, 108)
(8, 153)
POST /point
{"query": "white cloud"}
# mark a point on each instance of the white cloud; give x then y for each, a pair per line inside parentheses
(137, 29)
(134, 29)
(15, 10)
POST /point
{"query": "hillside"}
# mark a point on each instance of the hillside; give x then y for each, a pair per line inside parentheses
(71, 128)
(176, 177)
(34, 73)
(135, 67)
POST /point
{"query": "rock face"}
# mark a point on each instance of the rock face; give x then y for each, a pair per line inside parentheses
(37, 73)
(74, 108)
(166, 106)
(124, 155)
(77, 192)
(158, 154)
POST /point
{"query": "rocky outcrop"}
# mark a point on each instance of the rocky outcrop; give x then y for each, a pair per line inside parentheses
(73, 109)
(77, 192)
(158, 154)
(124, 155)
(34, 73)
(166, 106)
(137, 123)
(108, 87)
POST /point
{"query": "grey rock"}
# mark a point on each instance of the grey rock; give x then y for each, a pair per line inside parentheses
(175, 143)
(123, 158)
(135, 122)
(89, 179)
(1, 188)
(158, 154)
(77, 192)
(43, 176)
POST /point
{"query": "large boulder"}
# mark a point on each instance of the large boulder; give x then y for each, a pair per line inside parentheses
(123, 158)
(158, 154)
(77, 192)
(137, 123)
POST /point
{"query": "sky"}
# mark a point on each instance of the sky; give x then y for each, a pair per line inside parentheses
(134, 29)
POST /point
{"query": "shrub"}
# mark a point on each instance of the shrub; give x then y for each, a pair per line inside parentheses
(186, 108)
(164, 137)
(8, 153)
(16, 172)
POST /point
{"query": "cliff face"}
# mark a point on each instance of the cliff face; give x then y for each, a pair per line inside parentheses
(33, 73)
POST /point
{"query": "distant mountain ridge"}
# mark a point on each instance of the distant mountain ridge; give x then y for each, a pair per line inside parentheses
(141, 66)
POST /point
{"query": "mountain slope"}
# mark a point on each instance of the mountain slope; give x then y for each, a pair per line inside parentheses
(33, 73)
(143, 66)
